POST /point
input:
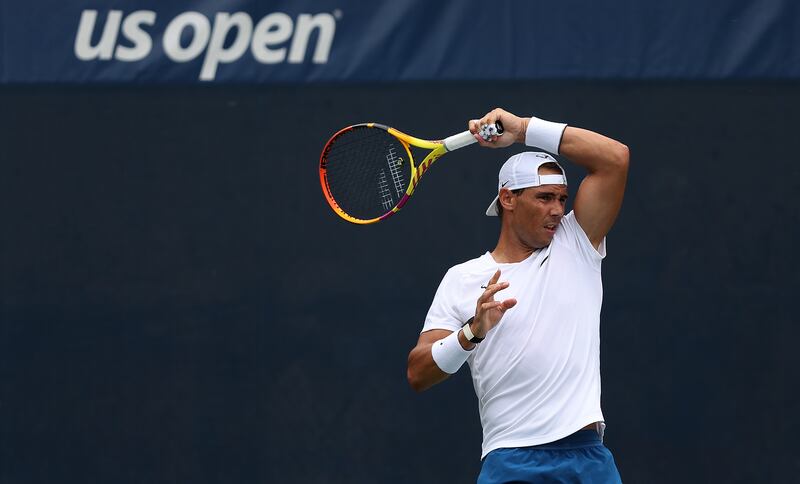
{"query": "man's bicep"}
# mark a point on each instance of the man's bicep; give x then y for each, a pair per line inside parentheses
(598, 202)
(600, 195)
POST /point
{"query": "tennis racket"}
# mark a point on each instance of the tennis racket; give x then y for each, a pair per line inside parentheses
(367, 171)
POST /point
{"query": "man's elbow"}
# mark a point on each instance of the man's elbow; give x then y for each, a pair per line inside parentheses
(415, 381)
(622, 156)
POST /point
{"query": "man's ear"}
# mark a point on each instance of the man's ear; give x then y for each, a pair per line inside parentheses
(507, 199)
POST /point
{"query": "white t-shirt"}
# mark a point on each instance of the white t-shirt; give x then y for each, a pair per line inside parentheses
(537, 373)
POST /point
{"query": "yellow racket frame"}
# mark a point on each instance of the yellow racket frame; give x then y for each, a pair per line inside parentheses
(437, 148)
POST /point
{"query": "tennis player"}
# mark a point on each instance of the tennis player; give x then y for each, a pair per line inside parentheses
(526, 316)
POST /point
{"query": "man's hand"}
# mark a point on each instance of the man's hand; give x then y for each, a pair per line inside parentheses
(514, 128)
(423, 372)
(488, 311)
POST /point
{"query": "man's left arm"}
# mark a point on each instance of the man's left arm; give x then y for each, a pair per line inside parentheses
(600, 195)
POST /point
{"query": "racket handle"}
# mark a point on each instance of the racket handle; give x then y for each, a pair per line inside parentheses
(461, 140)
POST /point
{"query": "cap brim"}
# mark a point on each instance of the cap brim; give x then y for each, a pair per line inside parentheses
(492, 210)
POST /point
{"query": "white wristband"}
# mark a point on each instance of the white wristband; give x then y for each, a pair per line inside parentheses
(448, 353)
(468, 331)
(544, 134)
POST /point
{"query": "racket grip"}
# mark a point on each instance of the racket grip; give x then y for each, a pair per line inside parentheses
(459, 140)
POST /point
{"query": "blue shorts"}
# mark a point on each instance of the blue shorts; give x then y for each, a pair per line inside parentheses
(578, 458)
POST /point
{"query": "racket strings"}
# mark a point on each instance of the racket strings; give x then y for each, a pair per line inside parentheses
(367, 172)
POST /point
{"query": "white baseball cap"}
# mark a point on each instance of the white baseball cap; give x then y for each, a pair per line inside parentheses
(522, 171)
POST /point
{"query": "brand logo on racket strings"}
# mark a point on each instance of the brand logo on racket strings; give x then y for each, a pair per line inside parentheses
(276, 38)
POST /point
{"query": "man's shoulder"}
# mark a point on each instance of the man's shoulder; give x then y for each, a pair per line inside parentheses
(569, 229)
(478, 264)
(571, 236)
(568, 222)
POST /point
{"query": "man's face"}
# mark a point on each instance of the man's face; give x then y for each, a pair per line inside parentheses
(537, 213)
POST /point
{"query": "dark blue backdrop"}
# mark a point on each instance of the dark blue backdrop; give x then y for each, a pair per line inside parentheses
(179, 304)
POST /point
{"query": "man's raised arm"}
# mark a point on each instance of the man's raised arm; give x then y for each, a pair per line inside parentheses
(600, 195)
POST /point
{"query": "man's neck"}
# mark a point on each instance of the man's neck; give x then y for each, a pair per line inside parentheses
(510, 249)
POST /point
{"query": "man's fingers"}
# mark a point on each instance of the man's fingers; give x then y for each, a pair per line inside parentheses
(476, 127)
(492, 289)
(501, 305)
(496, 114)
(486, 144)
(508, 304)
(492, 116)
(491, 305)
